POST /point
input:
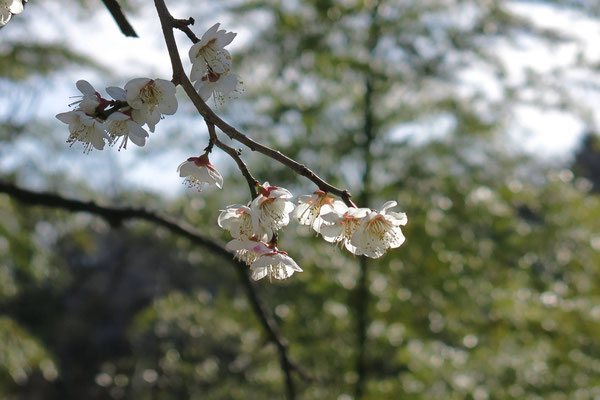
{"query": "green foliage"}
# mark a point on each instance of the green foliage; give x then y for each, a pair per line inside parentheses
(21, 60)
(21, 354)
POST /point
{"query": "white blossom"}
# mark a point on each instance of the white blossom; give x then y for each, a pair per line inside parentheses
(248, 250)
(8, 8)
(264, 260)
(199, 170)
(309, 209)
(85, 129)
(340, 224)
(119, 124)
(217, 85)
(150, 99)
(237, 220)
(200, 68)
(271, 208)
(91, 99)
(379, 231)
(210, 50)
(276, 264)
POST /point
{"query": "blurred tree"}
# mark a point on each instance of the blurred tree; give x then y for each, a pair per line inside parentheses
(587, 160)
(374, 85)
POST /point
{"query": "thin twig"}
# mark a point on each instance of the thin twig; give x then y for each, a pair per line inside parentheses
(116, 215)
(233, 153)
(168, 23)
(116, 105)
(115, 10)
(234, 134)
(184, 26)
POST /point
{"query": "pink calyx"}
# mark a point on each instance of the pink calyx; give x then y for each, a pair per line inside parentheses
(202, 161)
(266, 191)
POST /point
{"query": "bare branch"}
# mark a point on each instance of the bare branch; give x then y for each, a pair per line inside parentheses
(168, 23)
(115, 10)
(116, 215)
(184, 26)
(233, 153)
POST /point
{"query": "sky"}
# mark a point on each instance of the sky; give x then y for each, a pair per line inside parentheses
(553, 133)
(546, 133)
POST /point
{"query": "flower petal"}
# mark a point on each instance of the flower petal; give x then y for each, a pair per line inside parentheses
(396, 218)
(331, 233)
(186, 168)
(257, 273)
(168, 106)
(85, 88)
(370, 245)
(205, 90)
(67, 117)
(137, 130)
(167, 87)
(5, 16)
(16, 7)
(387, 204)
(225, 39)
(359, 212)
(217, 178)
(117, 93)
(396, 238)
(132, 88)
(117, 116)
(228, 83)
(211, 32)
(198, 71)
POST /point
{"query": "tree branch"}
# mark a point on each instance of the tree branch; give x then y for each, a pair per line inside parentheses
(233, 153)
(168, 23)
(115, 10)
(184, 26)
(116, 215)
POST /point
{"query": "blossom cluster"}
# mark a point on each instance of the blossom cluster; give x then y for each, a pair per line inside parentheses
(211, 65)
(95, 121)
(8, 8)
(362, 231)
(253, 229)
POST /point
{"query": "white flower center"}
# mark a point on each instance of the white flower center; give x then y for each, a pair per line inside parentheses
(246, 256)
(246, 228)
(379, 228)
(213, 56)
(193, 182)
(350, 224)
(151, 94)
(313, 211)
(206, 49)
(272, 214)
(82, 134)
(279, 271)
(117, 128)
